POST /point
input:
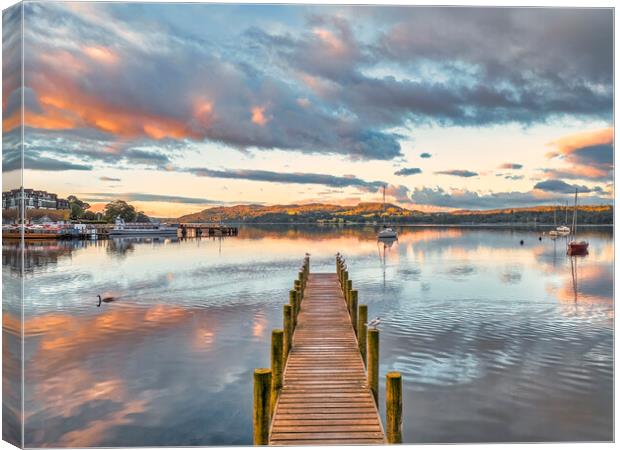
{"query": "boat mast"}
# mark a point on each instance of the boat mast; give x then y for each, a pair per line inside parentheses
(384, 206)
(384, 198)
(575, 218)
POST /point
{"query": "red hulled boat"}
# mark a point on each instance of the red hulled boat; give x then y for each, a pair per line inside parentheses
(576, 247)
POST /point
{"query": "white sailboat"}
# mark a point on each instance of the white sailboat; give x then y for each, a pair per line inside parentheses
(554, 233)
(386, 233)
(564, 230)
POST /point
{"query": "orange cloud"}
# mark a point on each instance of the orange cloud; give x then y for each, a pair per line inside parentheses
(258, 116)
(569, 144)
(101, 54)
(334, 44)
(65, 104)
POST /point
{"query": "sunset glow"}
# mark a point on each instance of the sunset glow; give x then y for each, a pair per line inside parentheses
(320, 91)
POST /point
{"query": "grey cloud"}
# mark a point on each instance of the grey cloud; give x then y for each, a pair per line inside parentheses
(563, 187)
(405, 171)
(141, 197)
(497, 69)
(281, 177)
(104, 178)
(32, 158)
(232, 85)
(464, 199)
(458, 173)
(513, 166)
(425, 155)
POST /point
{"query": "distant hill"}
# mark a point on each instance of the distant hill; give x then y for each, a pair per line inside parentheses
(376, 212)
(294, 213)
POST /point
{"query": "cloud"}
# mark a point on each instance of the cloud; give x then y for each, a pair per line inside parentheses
(563, 187)
(513, 166)
(32, 160)
(141, 197)
(405, 171)
(464, 199)
(400, 193)
(109, 179)
(589, 155)
(283, 177)
(458, 173)
(241, 86)
(425, 155)
(211, 95)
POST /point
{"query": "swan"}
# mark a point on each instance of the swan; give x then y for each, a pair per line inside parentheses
(105, 300)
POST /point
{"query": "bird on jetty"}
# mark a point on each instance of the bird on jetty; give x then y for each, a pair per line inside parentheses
(374, 323)
(105, 300)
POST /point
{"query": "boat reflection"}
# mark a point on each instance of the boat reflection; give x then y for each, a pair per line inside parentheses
(383, 244)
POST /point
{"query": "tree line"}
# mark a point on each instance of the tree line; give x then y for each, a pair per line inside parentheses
(117, 208)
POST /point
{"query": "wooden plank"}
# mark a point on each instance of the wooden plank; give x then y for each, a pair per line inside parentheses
(325, 398)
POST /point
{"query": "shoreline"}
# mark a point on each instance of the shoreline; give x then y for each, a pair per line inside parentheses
(450, 225)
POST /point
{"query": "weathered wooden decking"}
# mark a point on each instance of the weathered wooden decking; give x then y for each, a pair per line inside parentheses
(325, 398)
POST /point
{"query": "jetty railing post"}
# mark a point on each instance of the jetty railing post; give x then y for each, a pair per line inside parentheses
(288, 331)
(354, 310)
(277, 365)
(298, 288)
(292, 299)
(347, 294)
(373, 362)
(302, 280)
(394, 408)
(262, 408)
(362, 320)
(298, 298)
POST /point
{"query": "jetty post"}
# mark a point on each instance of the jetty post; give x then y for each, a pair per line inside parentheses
(373, 362)
(394, 408)
(262, 407)
(287, 322)
(277, 365)
(362, 329)
(292, 298)
(354, 310)
(347, 295)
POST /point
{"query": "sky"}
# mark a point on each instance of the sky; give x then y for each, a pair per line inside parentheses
(179, 107)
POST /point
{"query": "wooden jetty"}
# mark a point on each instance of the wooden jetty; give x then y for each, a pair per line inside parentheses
(203, 229)
(318, 390)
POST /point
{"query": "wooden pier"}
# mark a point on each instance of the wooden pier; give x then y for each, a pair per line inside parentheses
(202, 229)
(320, 391)
(325, 398)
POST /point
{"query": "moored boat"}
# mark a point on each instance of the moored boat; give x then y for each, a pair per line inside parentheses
(386, 232)
(140, 229)
(576, 247)
(563, 231)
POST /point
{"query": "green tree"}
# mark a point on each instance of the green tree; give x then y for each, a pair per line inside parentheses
(119, 208)
(142, 218)
(89, 215)
(77, 206)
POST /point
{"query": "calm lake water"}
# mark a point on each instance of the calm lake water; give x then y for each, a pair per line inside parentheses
(496, 341)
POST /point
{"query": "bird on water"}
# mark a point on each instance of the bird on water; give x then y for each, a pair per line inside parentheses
(105, 299)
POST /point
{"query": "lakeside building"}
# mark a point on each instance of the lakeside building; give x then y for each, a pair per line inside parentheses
(33, 199)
